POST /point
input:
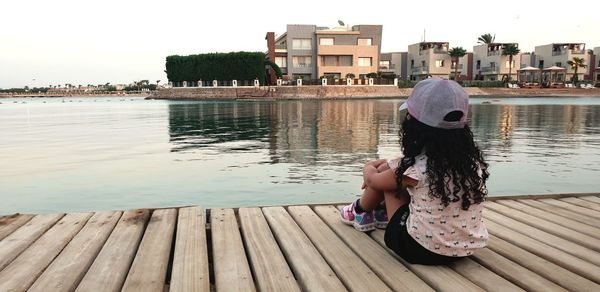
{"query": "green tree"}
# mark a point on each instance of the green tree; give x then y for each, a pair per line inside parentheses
(576, 63)
(510, 50)
(456, 53)
(486, 39)
(350, 75)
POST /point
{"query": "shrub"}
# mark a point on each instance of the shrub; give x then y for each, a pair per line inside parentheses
(481, 83)
(406, 83)
(216, 66)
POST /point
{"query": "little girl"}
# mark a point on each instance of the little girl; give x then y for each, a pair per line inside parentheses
(433, 194)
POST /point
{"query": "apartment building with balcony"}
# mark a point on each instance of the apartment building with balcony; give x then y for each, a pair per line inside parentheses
(595, 65)
(427, 59)
(490, 64)
(309, 51)
(394, 63)
(558, 54)
(465, 68)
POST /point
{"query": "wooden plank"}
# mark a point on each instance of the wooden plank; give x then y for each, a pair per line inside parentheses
(190, 262)
(149, 269)
(581, 210)
(562, 212)
(547, 226)
(391, 271)
(25, 269)
(538, 196)
(591, 199)
(353, 272)
(270, 270)
(231, 269)
(514, 272)
(441, 278)
(311, 270)
(552, 240)
(564, 221)
(8, 224)
(540, 265)
(68, 268)
(482, 276)
(110, 268)
(15, 243)
(549, 253)
(582, 203)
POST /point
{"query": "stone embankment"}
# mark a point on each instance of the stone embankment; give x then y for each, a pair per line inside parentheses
(347, 92)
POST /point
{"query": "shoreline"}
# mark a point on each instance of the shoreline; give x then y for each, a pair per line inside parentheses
(319, 92)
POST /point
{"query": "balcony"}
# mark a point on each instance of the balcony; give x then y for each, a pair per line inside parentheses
(490, 70)
(453, 67)
(419, 70)
(434, 51)
(390, 67)
(494, 53)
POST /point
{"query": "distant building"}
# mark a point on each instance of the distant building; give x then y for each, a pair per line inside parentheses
(465, 68)
(394, 63)
(558, 54)
(308, 51)
(528, 60)
(427, 59)
(595, 65)
(490, 64)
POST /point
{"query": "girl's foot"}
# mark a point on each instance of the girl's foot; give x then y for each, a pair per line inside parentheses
(362, 221)
(381, 218)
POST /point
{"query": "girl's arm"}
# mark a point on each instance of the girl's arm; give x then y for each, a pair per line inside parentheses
(386, 180)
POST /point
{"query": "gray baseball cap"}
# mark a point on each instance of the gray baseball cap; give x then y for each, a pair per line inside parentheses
(432, 99)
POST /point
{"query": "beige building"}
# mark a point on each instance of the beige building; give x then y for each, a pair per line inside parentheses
(490, 64)
(596, 72)
(428, 59)
(393, 63)
(558, 54)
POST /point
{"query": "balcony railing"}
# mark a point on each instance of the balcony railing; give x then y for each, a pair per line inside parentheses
(420, 70)
(494, 53)
(577, 52)
(435, 51)
(453, 67)
(281, 47)
(495, 70)
(390, 67)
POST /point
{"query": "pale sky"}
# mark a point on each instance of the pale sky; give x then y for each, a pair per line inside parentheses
(93, 41)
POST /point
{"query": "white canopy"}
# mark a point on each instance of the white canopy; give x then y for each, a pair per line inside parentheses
(555, 68)
(529, 69)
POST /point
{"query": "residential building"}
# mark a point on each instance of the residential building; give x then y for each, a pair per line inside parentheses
(427, 59)
(309, 51)
(558, 54)
(394, 63)
(527, 60)
(465, 68)
(595, 65)
(490, 64)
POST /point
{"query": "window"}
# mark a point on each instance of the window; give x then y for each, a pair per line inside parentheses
(365, 62)
(423, 64)
(558, 64)
(508, 64)
(412, 63)
(439, 63)
(336, 60)
(478, 66)
(326, 41)
(365, 42)
(541, 66)
(301, 61)
(384, 65)
(301, 44)
(493, 64)
(281, 62)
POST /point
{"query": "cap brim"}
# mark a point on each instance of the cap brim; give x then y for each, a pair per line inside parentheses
(403, 106)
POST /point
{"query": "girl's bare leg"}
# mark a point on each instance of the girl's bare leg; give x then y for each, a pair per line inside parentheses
(370, 199)
(393, 202)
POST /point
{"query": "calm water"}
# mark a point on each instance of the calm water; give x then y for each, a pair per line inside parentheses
(112, 153)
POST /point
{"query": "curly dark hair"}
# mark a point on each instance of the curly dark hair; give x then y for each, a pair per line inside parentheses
(452, 156)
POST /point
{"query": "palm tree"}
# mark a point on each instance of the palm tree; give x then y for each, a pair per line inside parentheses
(456, 53)
(510, 50)
(576, 64)
(486, 39)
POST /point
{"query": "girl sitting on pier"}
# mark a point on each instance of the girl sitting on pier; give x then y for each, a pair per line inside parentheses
(434, 193)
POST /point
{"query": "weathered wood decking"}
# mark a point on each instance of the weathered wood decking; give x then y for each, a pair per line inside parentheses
(540, 243)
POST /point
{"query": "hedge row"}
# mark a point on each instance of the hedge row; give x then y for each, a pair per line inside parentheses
(216, 66)
(481, 83)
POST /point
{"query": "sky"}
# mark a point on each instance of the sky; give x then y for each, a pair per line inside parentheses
(84, 42)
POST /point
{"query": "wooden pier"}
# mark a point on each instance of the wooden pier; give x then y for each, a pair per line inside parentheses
(541, 243)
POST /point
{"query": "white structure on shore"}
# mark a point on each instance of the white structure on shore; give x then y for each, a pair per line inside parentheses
(490, 64)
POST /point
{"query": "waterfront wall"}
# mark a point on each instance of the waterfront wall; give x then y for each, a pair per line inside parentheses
(283, 92)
